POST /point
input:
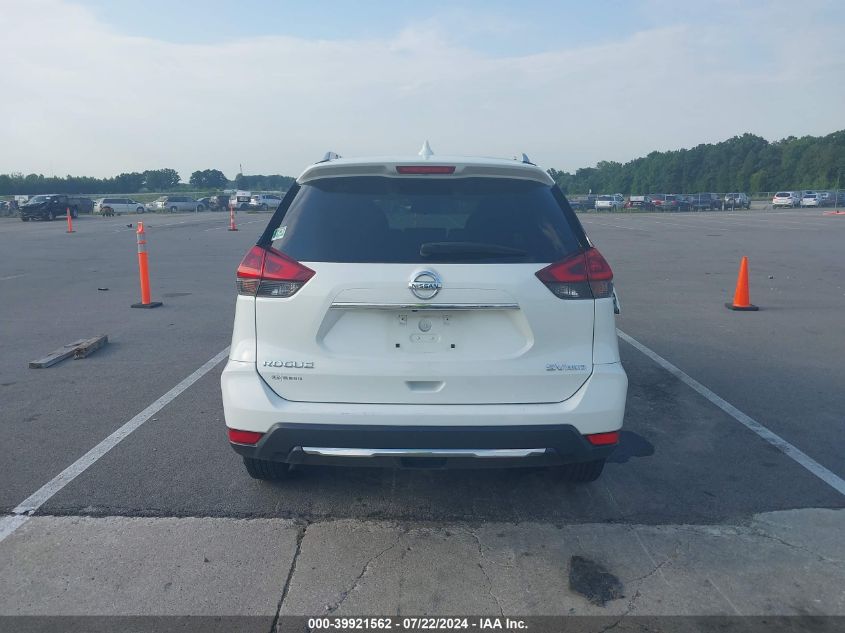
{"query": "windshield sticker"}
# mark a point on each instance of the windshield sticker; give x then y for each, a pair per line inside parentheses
(279, 233)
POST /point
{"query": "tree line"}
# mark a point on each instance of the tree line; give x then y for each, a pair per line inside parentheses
(151, 180)
(746, 163)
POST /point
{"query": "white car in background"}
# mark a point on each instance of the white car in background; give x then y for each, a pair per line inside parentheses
(265, 201)
(176, 203)
(786, 199)
(610, 203)
(424, 313)
(810, 200)
(117, 206)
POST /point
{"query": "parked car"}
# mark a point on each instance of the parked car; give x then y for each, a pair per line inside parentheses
(50, 206)
(810, 200)
(638, 202)
(827, 198)
(219, 203)
(705, 201)
(583, 203)
(613, 202)
(117, 206)
(175, 203)
(240, 199)
(786, 199)
(734, 200)
(683, 201)
(205, 202)
(657, 200)
(382, 350)
(265, 201)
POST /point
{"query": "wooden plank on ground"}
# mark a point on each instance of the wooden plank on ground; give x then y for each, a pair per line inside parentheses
(52, 358)
(77, 349)
(90, 346)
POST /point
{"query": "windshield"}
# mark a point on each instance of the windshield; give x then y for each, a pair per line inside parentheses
(414, 220)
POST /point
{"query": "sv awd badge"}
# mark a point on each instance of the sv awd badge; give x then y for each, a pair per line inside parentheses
(290, 364)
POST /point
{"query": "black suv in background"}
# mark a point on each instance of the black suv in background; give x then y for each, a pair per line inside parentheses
(53, 205)
(705, 202)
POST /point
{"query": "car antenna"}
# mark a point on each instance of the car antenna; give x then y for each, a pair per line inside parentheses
(426, 151)
(525, 159)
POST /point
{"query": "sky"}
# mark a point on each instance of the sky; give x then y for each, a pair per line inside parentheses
(99, 87)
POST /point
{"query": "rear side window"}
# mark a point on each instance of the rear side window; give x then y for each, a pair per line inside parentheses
(416, 220)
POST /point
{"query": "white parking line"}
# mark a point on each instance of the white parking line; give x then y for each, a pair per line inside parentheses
(21, 513)
(831, 479)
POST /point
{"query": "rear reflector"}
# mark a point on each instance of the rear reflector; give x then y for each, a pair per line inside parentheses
(585, 275)
(603, 439)
(265, 272)
(425, 169)
(244, 437)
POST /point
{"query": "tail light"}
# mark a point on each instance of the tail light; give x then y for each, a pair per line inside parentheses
(265, 272)
(585, 275)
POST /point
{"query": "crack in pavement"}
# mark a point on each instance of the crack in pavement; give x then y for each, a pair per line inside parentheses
(344, 595)
(822, 559)
(484, 571)
(300, 536)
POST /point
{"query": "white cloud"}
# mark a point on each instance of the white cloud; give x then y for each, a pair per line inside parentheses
(79, 98)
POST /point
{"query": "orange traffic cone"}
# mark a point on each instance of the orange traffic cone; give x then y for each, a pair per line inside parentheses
(742, 301)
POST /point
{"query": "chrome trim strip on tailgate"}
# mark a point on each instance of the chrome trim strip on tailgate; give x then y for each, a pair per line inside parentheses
(451, 307)
(422, 452)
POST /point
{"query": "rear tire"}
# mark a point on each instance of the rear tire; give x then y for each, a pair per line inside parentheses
(583, 472)
(139, 210)
(24, 218)
(266, 470)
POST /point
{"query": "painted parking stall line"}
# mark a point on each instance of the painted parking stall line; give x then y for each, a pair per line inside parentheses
(21, 513)
(797, 455)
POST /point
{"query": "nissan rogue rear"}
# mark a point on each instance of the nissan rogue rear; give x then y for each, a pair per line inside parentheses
(424, 312)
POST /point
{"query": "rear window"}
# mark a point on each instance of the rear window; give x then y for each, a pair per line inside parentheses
(413, 220)
(782, 194)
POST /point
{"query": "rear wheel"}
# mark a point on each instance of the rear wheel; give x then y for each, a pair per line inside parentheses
(139, 210)
(266, 470)
(24, 218)
(583, 472)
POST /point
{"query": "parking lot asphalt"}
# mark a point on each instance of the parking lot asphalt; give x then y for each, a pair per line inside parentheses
(682, 461)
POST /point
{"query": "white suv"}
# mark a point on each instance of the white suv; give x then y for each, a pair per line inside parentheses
(265, 201)
(424, 312)
(112, 206)
(610, 203)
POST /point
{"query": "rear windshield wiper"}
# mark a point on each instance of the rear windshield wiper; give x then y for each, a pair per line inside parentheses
(469, 250)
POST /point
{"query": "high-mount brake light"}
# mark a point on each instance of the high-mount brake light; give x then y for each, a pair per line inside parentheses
(425, 169)
(585, 275)
(265, 272)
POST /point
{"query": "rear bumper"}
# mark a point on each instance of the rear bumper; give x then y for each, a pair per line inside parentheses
(597, 407)
(424, 446)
